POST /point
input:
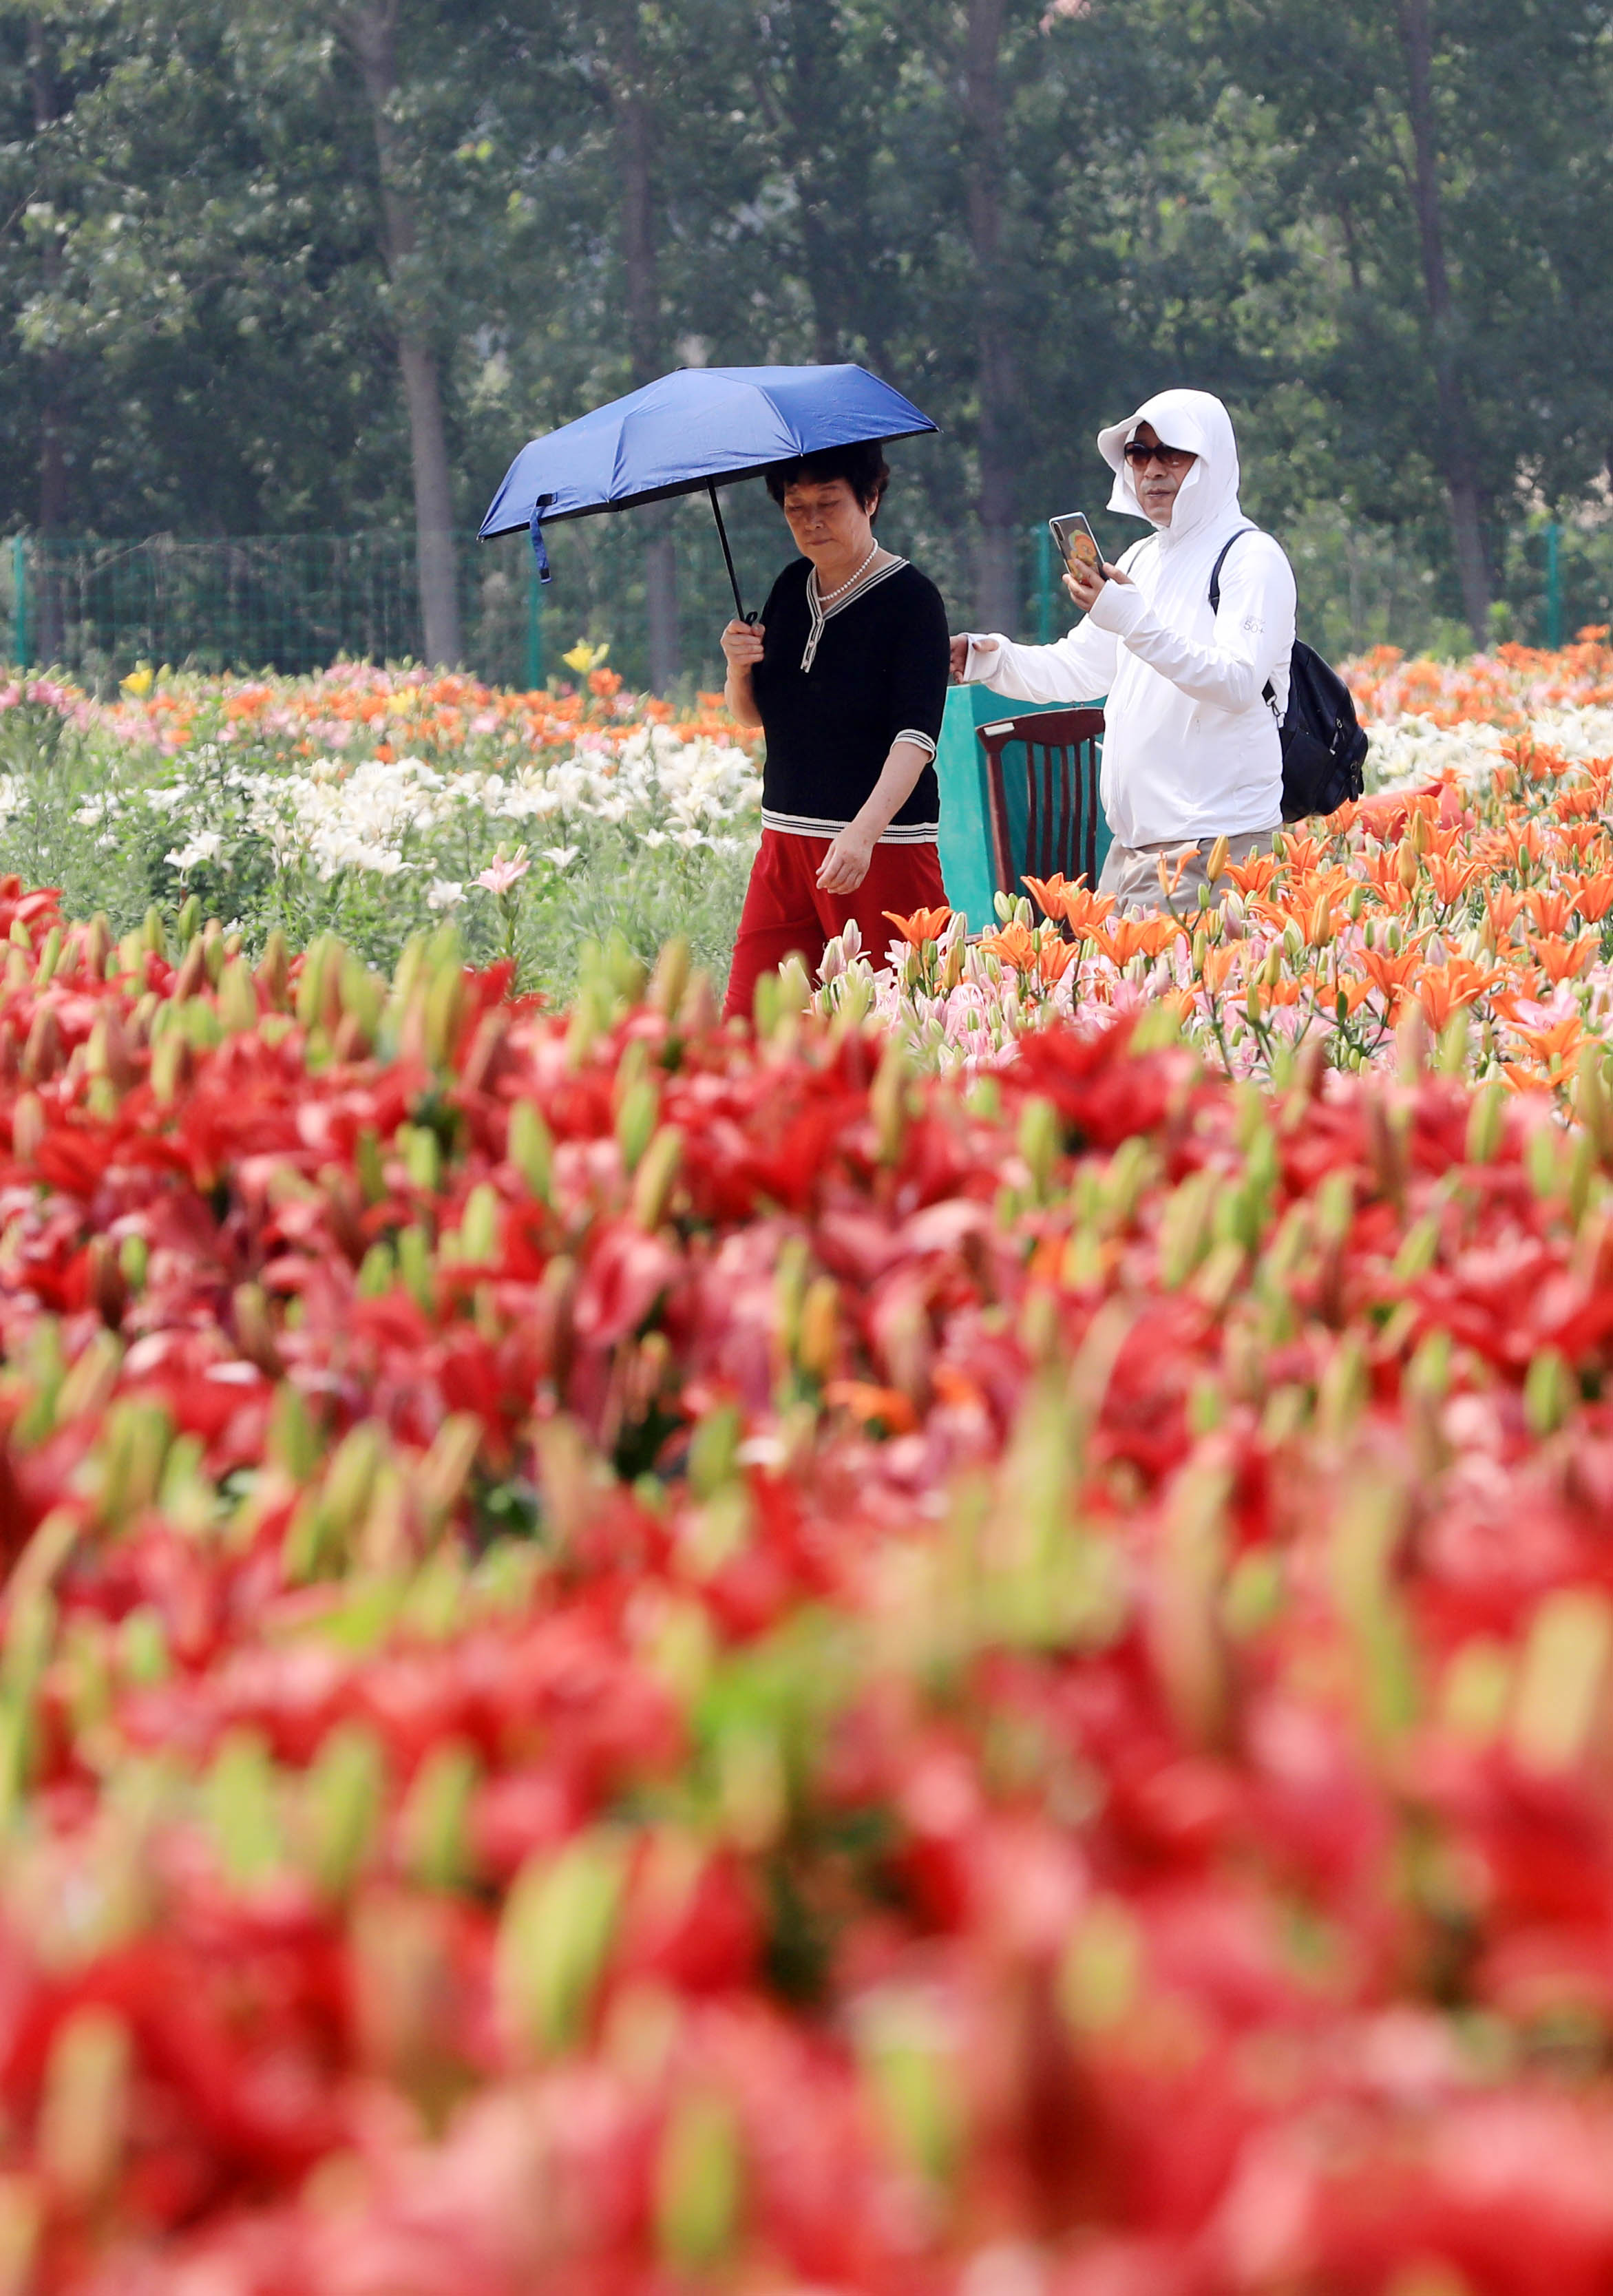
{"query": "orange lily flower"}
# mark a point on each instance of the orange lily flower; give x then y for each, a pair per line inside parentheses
(1383, 877)
(1253, 875)
(1083, 910)
(1128, 936)
(1580, 836)
(1048, 892)
(1170, 878)
(1217, 967)
(1523, 841)
(1549, 909)
(1015, 946)
(1384, 815)
(1593, 897)
(1560, 1042)
(1055, 958)
(924, 924)
(1307, 886)
(1577, 804)
(1518, 1078)
(1390, 974)
(1450, 877)
(1564, 960)
(1501, 907)
(1355, 994)
(867, 1402)
(1448, 988)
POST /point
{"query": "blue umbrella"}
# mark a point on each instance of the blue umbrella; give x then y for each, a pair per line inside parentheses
(699, 428)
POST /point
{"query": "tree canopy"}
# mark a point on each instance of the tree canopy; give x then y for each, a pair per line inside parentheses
(300, 265)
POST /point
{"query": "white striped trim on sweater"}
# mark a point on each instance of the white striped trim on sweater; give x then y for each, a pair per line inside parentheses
(919, 741)
(804, 824)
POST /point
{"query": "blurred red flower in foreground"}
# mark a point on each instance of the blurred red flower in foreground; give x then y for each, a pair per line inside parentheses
(636, 1657)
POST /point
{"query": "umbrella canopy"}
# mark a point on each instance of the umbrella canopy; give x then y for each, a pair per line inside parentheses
(700, 427)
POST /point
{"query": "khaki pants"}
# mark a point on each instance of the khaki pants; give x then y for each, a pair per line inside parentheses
(1131, 873)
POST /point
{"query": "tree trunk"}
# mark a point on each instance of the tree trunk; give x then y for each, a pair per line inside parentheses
(371, 31)
(1458, 460)
(810, 106)
(49, 621)
(997, 589)
(634, 126)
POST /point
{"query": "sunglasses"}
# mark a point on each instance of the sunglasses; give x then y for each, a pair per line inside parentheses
(1169, 458)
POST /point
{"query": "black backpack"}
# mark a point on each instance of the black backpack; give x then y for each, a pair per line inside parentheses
(1323, 746)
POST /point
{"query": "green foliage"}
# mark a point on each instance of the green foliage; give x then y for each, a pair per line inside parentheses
(123, 829)
(204, 300)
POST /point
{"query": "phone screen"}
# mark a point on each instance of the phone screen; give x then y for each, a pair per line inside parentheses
(1077, 544)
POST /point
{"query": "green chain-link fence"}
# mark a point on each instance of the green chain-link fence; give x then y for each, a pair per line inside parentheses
(295, 603)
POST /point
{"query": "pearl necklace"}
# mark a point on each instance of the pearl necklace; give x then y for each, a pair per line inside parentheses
(827, 597)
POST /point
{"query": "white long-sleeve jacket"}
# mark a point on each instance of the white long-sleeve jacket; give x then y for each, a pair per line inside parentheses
(1190, 747)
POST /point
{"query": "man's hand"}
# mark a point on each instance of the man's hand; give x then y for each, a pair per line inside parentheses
(845, 864)
(1085, 584)
(984, 649)
(742, 644)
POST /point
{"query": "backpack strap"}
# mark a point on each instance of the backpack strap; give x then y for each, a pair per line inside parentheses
(1270, 695)
(1220, 562)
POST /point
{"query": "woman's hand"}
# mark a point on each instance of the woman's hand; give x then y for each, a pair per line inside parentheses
(742, 644)
(845, 864)
(1085, 583)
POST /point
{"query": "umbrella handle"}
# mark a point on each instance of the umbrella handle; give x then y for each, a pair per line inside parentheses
(534, 531)
(733, 579)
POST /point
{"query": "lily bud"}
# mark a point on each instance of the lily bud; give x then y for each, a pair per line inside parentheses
(341, 1804)
(240, 1799)
(531, 1148)
(1548, 1391)
(273, 970)
(436, 1817)
(670, 978)
(1039, 1140)
(657, 1170)
(699, 2184)
(554, 1939)
(30, 1125)
(816, 1348)
(42, 1054)
(635, 1121)
(1486, 1121)
(480, 1229)
(84, 2112)
(888, 1102)
(192, 973)
(1562, 1689)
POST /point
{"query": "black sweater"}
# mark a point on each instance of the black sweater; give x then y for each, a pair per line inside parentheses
(835, 692)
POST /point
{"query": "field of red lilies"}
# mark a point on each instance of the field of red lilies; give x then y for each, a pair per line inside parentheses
(638, 1656)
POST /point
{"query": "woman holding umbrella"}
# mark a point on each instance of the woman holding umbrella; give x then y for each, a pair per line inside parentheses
(845, 673)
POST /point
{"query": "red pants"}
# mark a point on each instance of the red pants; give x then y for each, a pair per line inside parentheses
(784, 909)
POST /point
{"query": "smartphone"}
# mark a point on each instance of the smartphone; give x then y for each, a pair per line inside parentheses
(1077, 544)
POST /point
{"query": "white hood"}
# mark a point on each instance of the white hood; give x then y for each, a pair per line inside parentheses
(1181, 418)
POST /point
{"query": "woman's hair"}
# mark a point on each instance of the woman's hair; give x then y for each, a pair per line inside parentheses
(862, 465)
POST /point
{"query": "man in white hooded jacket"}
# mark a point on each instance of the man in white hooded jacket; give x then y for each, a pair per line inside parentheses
(1191, 750)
